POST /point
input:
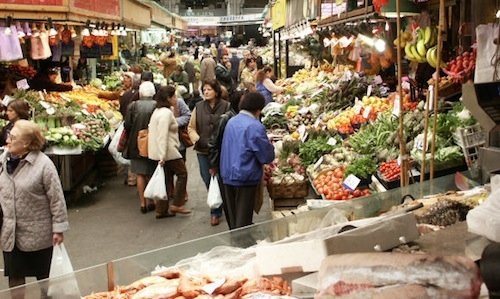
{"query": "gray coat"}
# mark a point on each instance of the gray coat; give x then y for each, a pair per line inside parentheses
(137, 118)
(33, 203)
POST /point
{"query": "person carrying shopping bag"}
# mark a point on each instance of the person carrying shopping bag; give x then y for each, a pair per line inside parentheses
(163, 146)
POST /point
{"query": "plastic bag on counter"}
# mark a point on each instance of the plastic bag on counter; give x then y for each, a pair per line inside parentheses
(483, 220)
(222, 260)
(156, 188)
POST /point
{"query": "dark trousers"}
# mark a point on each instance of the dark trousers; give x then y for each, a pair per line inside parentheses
(176, 195)
(240, 202)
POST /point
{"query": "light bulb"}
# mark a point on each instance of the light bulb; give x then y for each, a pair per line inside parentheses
(52, 32)
(7, 31)
(380, 45)
(387, 27)
(85, 32)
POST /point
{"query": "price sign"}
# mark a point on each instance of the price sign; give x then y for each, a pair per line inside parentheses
(332, 141)
(357, 106)
(351, 182)
(396, 111)
(22, 84)
(419, 143)
(369, 91)
(399, 160)
(366, 112)
(7, 99)
(318, 163)
(50, 110)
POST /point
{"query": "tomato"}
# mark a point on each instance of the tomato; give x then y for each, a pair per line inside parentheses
(338, 197)
(339, 174)
(356, 193)
(320, 190)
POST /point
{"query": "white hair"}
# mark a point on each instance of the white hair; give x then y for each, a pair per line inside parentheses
(147, 89)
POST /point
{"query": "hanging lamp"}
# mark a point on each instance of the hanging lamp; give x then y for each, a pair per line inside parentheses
(407, 8)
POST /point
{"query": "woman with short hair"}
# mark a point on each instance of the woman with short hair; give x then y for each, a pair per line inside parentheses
(203, 123)
(16, 110)
(33, 205)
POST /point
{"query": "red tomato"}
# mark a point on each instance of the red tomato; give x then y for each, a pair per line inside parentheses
(356, 193)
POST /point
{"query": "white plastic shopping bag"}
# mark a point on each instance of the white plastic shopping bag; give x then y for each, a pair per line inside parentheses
(62, 282)
(113, 147)
(486, 51)
(156, 188)
(214, 198)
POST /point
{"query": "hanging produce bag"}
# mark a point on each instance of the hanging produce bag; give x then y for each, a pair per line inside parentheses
(40, 48)
(10, 48)
(486, 53)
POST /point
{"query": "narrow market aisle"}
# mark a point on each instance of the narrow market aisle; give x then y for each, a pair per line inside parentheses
(108, 225)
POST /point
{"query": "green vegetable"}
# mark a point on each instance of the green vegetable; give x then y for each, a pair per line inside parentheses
(311, 150)
(362, 167)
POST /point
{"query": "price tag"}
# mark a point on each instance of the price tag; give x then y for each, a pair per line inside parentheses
(366, 112)
(40, 94)
(332, 141)
(351, 182)
(399, 160)
(369, 91)
(419, 143)
(211, 287)
(85, 112)
(396, 111)
(302, 130)
(318, 163)
(22, 84)
(305, 137)
(7, 99)
(50, 110)
(357, 106)
(414, 172)
(45, 105)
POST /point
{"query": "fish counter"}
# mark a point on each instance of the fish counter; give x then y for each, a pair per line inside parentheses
(283, 257)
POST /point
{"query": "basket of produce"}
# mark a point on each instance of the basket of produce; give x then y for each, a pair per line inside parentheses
(288, 186)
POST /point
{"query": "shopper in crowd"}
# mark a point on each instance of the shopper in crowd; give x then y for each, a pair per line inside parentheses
(245, 149)
(33, 206)
(249, 72)
(223, 73)
(137, 70)
(235, 64)
(246, 54)
(16, 110)
(265, 85)
(195, 98)
(169, 63)
(163, 146)
(215, 142)
(203, 122)
(136, 119)
(46, 80)
(214, 51)
(207, 67)
(180, 77)
(191, 71)
(130, 93)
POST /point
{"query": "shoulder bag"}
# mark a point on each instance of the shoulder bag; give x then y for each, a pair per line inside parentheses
(184, 137)
(142, 143)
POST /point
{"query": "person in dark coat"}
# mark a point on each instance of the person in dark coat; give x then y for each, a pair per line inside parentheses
(223, 73)
(235, 64)
(46, 80)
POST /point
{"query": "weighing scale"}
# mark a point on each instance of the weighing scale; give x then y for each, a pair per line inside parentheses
(483, 101)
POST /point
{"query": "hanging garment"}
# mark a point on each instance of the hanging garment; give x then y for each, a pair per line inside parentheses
(40, 48)
(56, 52)
(10, 47)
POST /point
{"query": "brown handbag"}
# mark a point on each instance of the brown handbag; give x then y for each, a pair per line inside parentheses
(142, 143)
(184, 137)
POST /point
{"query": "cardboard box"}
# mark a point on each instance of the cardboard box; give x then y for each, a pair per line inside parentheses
(304, 253)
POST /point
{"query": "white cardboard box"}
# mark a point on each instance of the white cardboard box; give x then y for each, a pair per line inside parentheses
(300, 254)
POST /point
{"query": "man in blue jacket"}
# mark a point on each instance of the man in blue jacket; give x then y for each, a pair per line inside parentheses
(245, 149)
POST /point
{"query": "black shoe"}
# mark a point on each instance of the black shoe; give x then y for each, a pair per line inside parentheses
(144, 210)
(165, 215)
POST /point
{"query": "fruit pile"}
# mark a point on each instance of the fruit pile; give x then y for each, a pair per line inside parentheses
(329, 184)
(462, 67)
(389, 170)
(423, 48)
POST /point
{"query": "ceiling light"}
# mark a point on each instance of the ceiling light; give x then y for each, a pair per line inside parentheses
(380, 45)
(85, 32)
(8, 22)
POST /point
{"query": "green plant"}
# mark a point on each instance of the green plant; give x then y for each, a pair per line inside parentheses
(362, 167)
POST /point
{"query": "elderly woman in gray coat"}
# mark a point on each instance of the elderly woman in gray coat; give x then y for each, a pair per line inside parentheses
(33, 205)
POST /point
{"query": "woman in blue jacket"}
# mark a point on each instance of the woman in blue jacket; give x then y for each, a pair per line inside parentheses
(245, 149)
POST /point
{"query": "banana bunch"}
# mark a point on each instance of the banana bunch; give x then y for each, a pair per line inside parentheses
(431, 57)
(406, 38)
(426, 39)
